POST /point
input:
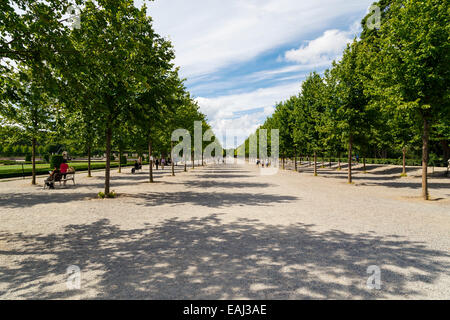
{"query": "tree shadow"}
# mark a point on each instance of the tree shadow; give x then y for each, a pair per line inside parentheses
(226, 184)
(24, 200)
(207, 258)
(208, 199)
(225, 176)
(380, 178)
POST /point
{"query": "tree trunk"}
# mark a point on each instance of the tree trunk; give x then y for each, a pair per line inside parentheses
(315, 163)
(364, 164)
(446, 149)
(350, 142)
(193, 161)
(295, 159)
(33, 160)
(323, 162)
(172, 160)
(89, 160)
(339, 161)
(120, 161)
(283, 163)
(150, 160)
(425, 139)
(108, 158)
(404, 161)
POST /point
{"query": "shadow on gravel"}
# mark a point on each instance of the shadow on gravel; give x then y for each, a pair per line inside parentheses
(65, 194)
(225, 176)
(225, 184)
(208, 199)
(24, 200)
(205, 258)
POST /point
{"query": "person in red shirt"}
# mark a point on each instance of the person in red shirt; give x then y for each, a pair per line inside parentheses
(63, 169)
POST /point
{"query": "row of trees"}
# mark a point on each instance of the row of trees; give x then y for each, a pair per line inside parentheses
(102, 78)
(390, 90)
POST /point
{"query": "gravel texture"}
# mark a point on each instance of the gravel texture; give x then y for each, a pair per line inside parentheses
(228, 232)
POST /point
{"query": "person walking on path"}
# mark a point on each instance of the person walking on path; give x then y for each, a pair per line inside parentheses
(157, 163)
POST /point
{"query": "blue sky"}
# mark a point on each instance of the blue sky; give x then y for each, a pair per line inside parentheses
(241, 57)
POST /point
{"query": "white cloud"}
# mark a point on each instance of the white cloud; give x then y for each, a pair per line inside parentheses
(221, 110)
(211, 34)
(323, 50)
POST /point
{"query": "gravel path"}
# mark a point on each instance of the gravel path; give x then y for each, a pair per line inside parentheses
(227, 232)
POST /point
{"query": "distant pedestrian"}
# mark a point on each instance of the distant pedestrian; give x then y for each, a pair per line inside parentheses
(156, 163)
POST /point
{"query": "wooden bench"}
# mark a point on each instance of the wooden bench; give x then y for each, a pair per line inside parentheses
(70, 176)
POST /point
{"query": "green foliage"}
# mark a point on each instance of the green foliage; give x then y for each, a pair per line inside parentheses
(12, 169)
(56, 160)
(110, 195)
(388, 93)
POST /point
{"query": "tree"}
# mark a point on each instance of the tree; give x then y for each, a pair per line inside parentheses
(308, 113)
(351, 113)
(29, 106)
(282, 120)
(412, 64)
(121, 52)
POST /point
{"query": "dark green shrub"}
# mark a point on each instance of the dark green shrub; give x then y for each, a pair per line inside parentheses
(112, 158)
(123, 160)
(8, 162)
(28, 157)
(53, 148)
(56, 160)
(46, 157)
(39, 149)
(7, 151)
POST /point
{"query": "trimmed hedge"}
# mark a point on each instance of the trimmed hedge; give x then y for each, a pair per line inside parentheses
(80, 166)
(439, 162)
(56, 160)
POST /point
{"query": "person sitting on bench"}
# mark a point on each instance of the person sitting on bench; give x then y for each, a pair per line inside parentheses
(136, 167)
(63, 169)
(54, 176)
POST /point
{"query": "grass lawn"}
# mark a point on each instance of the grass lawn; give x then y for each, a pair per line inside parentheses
(9, 171)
